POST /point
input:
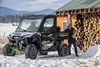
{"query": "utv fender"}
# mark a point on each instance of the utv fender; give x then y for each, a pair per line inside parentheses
(36, 43)
(61, 45)
(34, 40)
(36, 37)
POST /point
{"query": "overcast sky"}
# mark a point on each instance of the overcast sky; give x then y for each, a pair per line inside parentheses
(33, 5)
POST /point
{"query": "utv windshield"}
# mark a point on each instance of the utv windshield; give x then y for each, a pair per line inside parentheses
(29, 25)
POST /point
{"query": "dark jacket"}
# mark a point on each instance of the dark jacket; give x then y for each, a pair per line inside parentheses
(70, 33)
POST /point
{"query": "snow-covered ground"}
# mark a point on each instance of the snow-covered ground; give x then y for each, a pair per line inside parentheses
(91, 58)
(6, 29)
(51, 60)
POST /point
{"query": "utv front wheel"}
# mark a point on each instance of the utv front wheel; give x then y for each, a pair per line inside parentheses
(31, 51)
(8, 50)
(63, 50)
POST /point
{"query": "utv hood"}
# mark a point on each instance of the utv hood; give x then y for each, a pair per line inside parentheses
(24, 34)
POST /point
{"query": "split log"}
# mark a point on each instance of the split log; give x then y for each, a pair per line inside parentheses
(88, 30)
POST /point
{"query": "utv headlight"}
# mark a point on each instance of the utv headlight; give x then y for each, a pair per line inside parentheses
(9, 37)
(20, 45)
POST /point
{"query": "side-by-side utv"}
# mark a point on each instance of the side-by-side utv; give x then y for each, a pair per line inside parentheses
(36, 34)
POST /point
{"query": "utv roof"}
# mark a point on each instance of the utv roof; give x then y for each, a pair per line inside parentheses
(33, 16)
(37, 16)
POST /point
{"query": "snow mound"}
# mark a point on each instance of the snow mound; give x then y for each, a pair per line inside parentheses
(93, 51)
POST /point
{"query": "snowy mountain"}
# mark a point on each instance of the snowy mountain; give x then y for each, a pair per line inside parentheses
(7, 11)
(45, 11)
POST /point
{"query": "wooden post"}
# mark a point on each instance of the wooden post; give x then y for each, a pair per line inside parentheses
(4, 35)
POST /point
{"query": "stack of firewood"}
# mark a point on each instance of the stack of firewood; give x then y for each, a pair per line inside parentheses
(88, 30)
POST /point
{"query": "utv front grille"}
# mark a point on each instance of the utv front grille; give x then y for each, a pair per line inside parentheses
(16, 37)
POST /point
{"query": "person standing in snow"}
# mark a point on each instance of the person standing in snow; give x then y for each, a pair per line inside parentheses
(71, 40)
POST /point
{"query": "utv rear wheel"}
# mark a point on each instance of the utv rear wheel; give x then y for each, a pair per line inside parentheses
(31, 51)
(8, 50)
(63, 50)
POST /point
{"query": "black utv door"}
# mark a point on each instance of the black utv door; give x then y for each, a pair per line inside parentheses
(48, 28)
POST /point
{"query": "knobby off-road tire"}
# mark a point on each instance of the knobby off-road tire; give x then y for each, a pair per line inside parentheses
(7, 50)
(63, 50)
(31, 51)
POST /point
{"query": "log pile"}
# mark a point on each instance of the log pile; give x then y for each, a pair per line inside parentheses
(88, 30)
